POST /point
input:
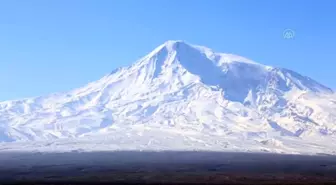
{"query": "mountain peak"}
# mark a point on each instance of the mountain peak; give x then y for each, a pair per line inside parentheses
(230, 72)
(183, 46)
(171, 45)
(174, 42)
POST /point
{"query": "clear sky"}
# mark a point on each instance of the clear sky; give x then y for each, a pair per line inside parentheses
(56, 45)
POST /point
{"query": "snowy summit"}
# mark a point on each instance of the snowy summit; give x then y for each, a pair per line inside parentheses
(180, 97)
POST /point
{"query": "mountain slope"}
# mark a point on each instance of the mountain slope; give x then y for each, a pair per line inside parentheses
(182, 88)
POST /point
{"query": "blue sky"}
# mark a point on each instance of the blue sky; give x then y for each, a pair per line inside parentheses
(57, 45)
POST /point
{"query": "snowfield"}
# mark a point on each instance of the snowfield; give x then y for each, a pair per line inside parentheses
(179, 97)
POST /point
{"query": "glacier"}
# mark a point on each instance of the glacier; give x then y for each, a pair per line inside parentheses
(179, 97)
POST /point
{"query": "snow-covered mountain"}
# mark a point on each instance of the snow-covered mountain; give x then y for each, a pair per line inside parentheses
(197, 96)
